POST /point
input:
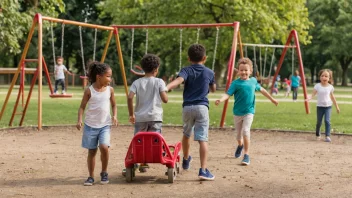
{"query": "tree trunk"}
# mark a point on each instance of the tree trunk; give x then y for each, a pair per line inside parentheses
(312, 74)
(345, 62)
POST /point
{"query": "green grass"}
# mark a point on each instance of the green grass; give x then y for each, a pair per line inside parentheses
(287, 116)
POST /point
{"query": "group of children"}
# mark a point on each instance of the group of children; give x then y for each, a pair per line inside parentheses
(151, 92)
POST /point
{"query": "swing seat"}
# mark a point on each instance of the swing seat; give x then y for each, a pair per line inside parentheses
(61, 95)
(83, 77)
(138, 72)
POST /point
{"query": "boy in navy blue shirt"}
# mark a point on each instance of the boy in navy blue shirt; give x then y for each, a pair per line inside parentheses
(198, 81)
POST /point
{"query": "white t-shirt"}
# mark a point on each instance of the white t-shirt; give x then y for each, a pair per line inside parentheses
(59, 72)
(323, 95)
(98, 111)
(148, 100)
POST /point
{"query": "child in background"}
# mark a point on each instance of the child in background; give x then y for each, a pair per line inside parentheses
(99, 96)
(288, 87)
(199, 80)
(295, 81)
(243, 90)
(150, 93)
(325, 97)
(276, 85)
(59, 72)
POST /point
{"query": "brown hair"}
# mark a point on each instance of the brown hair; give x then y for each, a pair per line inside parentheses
(245, 61)
(329, 72)
(59, 57)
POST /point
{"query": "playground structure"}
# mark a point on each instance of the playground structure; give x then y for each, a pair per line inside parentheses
(236, 41)
(38, 22)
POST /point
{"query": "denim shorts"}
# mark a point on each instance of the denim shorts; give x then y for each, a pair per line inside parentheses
(196, 118)
(152, 126)
(92, 137)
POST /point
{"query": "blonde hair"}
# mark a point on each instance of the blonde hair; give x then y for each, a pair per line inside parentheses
(329, 72)
(296, 73)
(245, 61)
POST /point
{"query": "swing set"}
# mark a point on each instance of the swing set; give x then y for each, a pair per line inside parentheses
(236, 41)
(41, 65)
(138, 71)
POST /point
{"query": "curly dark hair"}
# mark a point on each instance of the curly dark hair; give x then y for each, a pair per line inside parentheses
(96, 68)
(196, 52)
(150, 62)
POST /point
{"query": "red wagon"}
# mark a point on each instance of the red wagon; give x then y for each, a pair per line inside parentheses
(150, 147)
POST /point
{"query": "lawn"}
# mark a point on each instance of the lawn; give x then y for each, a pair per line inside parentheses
(287, 116)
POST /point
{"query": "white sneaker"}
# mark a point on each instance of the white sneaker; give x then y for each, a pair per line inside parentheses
(327, 139)
(63, 93)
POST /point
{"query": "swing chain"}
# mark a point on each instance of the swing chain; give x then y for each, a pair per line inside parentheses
(245, 50)
(180, 48)
(53, 45)
(132, 41)
(82, 53)
(198, 30)
(271, 64)
(62, 38)
(215, 48)
(266, 51)
(260, 64)
(146, 41)
(293, 60)
(255, 63)
(95, 43)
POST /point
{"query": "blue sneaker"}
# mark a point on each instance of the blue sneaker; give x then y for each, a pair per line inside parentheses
(238, 152)
(205, 175)
(246, 161)
(89, 181)
(104, 178)
(186, 163)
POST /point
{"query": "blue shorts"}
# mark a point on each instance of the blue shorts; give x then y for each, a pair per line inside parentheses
(92, 137)
(196, 118)
(152, 126)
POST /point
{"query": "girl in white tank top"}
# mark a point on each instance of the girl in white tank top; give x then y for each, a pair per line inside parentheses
(99, 96)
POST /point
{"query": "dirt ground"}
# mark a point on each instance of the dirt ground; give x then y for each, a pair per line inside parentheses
(51, 163)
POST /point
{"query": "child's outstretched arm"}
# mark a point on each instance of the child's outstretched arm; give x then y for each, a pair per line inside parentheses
(68, 72)
(222, 99)
(334, 101)
(113, 107)
(130, 107)
(313, 94)
(84, 102)
(266, 94)
(164, 96)
(175, 83)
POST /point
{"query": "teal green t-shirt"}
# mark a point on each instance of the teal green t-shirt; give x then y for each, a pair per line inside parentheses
(244, 91)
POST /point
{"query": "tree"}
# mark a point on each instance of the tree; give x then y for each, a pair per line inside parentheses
(332, 19)
(261, 22)
(15, 21)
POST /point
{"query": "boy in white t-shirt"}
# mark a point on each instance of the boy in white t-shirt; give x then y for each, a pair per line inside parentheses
(325, 98)
(59, 72)
(150, 93)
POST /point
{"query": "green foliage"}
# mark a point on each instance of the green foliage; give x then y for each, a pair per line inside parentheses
(333, 24)
(16, 18)
(260, 22)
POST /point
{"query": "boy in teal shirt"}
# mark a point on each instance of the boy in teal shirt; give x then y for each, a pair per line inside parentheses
(244, 89)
